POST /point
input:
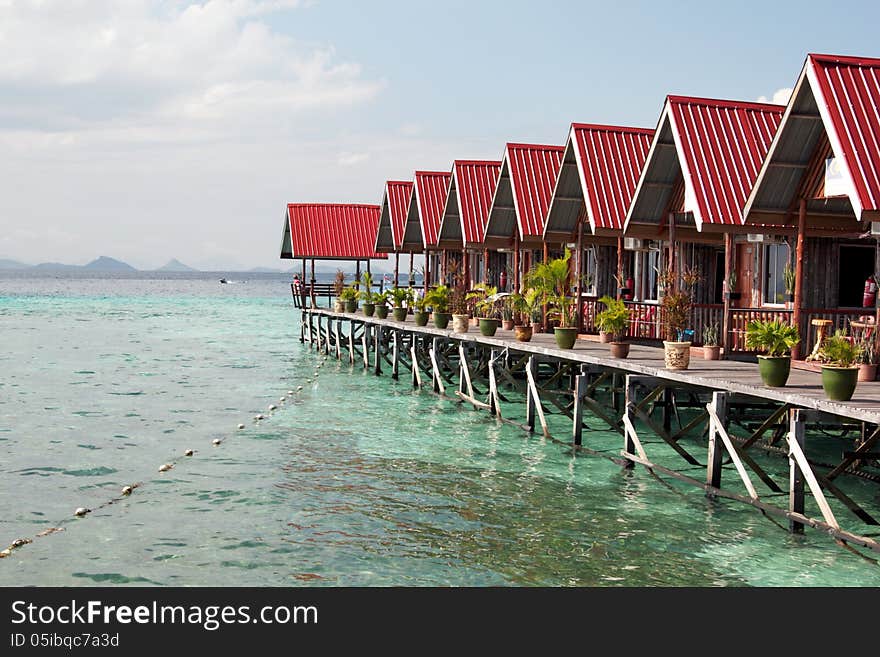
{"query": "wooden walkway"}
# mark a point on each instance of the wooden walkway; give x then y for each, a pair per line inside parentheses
(804, 388)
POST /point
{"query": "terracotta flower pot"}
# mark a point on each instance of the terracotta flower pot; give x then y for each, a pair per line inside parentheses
(676, 355)
(605, 337)
(441, 320)
(507, 324)
(867, 372)
(839, 382)
(460, 323)
(774, 370)
(523, 333)
(475, 321)
(712, 352)
(619, 349)
(338, 306)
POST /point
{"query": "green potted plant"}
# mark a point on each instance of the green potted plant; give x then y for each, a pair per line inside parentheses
(366, 294)
(438, 299)
(526, 308)
(614, 320)
(420, 314)
(380, 299)
(349, 296)
(840, 374)
(400, 296)
(775, 339)
(484, 298)
(550, 279)
(675, 314)
(338, 287)
(866, 358)
(711, 348)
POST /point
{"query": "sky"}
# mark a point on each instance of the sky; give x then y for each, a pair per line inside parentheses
(151, 130)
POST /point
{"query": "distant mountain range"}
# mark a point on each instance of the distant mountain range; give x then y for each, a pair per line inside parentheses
(105, 263)
(175, 265)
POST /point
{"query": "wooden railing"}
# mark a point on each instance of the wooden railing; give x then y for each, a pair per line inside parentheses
(646, 319)
(740, 318)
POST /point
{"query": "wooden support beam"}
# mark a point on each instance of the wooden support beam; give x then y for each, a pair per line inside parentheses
(494, 401)
(861, 452)
(395, 358)
(727, 315)
(465, 386)
(351, 342)
(365, 344)
(435, 368)
(338, 340)
(797, 431)
(804, 471)
(716, 426)
(580, 391)
(533, 392)
(714, 459)
(377, 365)
(531, 370)
(416, 376)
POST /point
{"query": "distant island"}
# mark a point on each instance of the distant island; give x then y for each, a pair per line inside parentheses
(175, 265)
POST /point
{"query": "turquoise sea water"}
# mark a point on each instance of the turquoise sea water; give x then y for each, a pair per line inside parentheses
(356, 480)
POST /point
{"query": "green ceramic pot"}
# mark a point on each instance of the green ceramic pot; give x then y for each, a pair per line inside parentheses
(565, 337)
(839, 382)
(421, 318)
(441, 320)
(774, 370)
(488, 326)
(369, 309)
(382, 311)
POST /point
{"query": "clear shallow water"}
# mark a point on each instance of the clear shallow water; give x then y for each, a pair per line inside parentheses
(359, 481)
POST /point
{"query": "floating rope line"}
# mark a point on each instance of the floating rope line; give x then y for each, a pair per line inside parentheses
(82, 512)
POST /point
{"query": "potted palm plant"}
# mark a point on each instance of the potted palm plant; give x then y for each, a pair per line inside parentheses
(400, 296)
(775, 339)
(614, 320)
(840, 374)
(676, 316)
(507, 313)
(550, 279)
(420, 314)
(349, 297)
(381, 301)
(338, 287)
(711, 348)
(438, 299)
(483, 298)
(525, 307)
(366, 294)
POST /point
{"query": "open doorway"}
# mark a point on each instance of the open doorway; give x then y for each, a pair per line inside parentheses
(856, 264)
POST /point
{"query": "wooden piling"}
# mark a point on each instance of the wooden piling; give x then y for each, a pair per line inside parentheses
(716, 451)
(532, 371)
(365, 342)
(395, 357)
(580, 391)
(377, 365)
(796, 435)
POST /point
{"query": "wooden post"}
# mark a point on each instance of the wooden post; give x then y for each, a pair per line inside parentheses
(314, 299)
(796, 476)
(395, 355)
(338, 339)
(396, 269)
(435, 368)
(494, 402)
(486, 266)
(416, 377)
(466, 268)
(716, 451)
(367, 261)
(365, 345)
(351, 341)
(629, 445)
(620, 266)
(579, 308)
(357, 272)
(580, 390)
(672, 251)
(532, 367)
(327, 336)
(729, 251)
(516, 263)
(799, 275)
(377, 366)
(318, 332)
(668, 400)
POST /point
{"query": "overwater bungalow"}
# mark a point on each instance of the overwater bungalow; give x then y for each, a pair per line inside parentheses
(328, 231)
(463, 224)
(425, 209)
(600, 168)
(514, 235)
(392, 222)
(818, 194)
(703, 161)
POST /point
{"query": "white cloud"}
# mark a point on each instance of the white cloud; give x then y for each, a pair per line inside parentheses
(352, 159)
(779, 97)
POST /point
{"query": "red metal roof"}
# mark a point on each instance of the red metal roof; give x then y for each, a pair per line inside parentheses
(847, 91)
(431, 188)
(610, 161)
(474, 182)
(392, 215)
(332, 231)
(533, 169)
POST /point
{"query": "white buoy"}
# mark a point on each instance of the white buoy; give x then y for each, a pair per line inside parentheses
(272, 407)
(81, 511)
(17, 543)
(165, 467)
(241, 426)
(290, 392)
(282, 399)
(298, 388)
(216, 442)
(127, 490)
(189, 452)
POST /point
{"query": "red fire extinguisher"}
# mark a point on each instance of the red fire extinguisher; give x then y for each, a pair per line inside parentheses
(502, 280)
(630, 283)
(869, 297)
